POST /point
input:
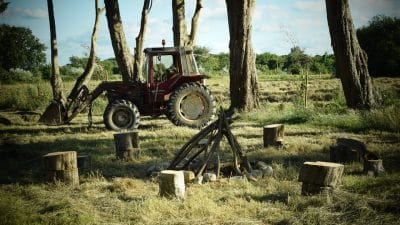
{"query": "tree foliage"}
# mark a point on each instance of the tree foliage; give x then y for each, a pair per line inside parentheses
(380, 39)
(20, 48)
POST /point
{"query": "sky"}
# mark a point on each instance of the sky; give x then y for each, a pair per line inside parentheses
(278, 25)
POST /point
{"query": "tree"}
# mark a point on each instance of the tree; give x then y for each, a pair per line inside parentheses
(351, 60)
(3, 6)
(181, 37)
(138, 58)
(380, 40)
(84, 79)
(56, 81)
(55, 113)
(20, 48)
(243, 77)
(296, 61)
(118, 40)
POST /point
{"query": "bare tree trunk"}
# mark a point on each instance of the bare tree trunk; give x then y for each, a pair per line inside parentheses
(138, 59)
(84, 79)
(351, 60)
(56, 81)
(55, 112)
(181, 37)
(243, 76)
(121, 50)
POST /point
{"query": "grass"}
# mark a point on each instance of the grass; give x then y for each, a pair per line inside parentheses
(114, 192)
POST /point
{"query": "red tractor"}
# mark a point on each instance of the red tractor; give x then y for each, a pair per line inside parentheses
(172, 86)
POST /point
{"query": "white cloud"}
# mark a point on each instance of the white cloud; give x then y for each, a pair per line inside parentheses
(313, 6)
(31, 13)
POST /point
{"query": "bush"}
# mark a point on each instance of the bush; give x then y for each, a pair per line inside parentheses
(25, 97)
(17, 75)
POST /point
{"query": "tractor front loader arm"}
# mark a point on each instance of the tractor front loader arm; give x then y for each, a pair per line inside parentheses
(84, 99)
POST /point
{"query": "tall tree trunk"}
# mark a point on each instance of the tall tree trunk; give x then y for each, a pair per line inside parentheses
(121, 50)
(138, 59)
(351, 60)
(84, 79)
(55, 113)
(242, 71)
(56, 81)
(181, 37)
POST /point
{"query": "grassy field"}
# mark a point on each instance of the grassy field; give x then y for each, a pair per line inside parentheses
(114, 192)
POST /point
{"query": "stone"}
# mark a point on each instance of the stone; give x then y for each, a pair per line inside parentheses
(209, 177)
(238, 178)
(256, 174)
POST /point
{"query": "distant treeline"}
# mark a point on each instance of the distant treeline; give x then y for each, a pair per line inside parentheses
(23, 56)
(296, 62)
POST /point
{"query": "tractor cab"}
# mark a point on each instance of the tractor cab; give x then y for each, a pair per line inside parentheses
(165, 64)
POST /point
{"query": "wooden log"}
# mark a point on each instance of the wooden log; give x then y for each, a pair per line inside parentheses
(273, 134)
(127, 145)
(317, 175)
(61, 166)
(374, 167)
(172, 184)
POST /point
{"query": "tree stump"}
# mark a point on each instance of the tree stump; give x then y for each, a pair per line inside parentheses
(84, 162)
(127, 145)
(172, 184)
(61, 166)
(374, 167)
(189, 176)
(273, 134)
(347, 150)
(318, 177)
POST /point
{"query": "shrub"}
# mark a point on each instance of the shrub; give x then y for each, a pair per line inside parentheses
(25, 97)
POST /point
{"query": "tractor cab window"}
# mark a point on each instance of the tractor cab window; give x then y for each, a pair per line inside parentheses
(163, 67)
(189, 64)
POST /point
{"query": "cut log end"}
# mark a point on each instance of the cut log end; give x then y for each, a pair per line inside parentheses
(374, 167)
(273, 135)
(127, 145)
(317, 176)
(61, 166)
(172, 184)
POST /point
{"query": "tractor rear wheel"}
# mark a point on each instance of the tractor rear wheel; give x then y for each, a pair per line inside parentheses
(121, 115)
(192, 105)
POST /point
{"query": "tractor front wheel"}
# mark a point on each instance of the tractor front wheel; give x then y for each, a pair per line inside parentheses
(191, 105)
(121, 115)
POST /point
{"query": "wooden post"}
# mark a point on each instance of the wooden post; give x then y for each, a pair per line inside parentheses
(172, 184)
(374, 167)
(273, 134)
(61, 166)
(127, 145)
(320, 176)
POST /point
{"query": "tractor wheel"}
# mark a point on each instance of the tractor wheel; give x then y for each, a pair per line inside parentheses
(121, 115)
(191, 105)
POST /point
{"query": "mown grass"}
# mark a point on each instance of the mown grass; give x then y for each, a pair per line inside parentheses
(115, 192)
